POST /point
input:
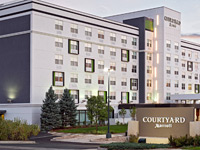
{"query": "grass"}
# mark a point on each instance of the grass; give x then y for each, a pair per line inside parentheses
(101, 130)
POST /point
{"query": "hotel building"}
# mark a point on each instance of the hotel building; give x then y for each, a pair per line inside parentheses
(45, 45)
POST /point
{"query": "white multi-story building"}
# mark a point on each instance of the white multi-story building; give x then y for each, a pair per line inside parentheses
(45, 45)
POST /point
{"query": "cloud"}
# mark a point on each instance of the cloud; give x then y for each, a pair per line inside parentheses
(191, 36)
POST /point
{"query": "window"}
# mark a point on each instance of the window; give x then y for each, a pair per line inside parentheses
(89, 65)
(74, 78)
(176, 71)
(134, 96)
(134, 42)
(183, 75)
(196, 66)
(183, 86)
(112, 81)
(133, 84)
(112, 95)
(124, 82)
(58, 25)
(149, 69)
(125, 97)
(123, 39)
(74, 61)
(100, 49)
(88, 94)
(88, 79)
(74, 28)
(134, 68)
(112, 66)
(183, 52)
(100, 64)
(189, 86)
(75, 95)
(73, 47)
(176, 58)
(168, 57)
(149, 43)
(59, 93)
(196, 88)
(196, 55)
(149, 56)
(103, 94)
(134, 56)
(88, 31)
(100, 34)
(176, 46)
(168, 83)
(58, 78)
(183, 64)
(100, 79)
(189, 76)
(125, 55)
(149, 96)
(196, 76)
(59, 42)
(189, 66)
(176, 83)
(168, 43)
(124, 67)
(88, 47)
(168, 96)
(112, 52)
(189, 54)
(112, 36)
(168, 71)
(148, 83)
(59, 59)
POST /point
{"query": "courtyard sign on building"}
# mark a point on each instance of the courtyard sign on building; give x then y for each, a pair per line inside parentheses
(163, 122)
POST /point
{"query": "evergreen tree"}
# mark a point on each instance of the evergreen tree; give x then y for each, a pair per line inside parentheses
(68, 109)
(50, 117)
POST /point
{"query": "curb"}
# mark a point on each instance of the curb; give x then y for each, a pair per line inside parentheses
(70, 142)
(17, 142)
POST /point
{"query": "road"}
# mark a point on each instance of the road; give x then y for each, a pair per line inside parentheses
(43, 143)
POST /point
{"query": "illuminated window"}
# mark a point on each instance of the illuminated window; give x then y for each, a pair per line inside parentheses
(196, 88)
(100, 64)
(113, 37)
(155, 32)
(124, 82)
(58, 25)
(148, 83)
(73, 47)
(168, 43)
(149, 69)
(112, 66)
(183, 86)
(176, 58)
(189, 66)
(134, 42)
(149, 43)
(168, 57)
(125, 55)
(124, 67)
(88, 47)
(74, 28)
(101, 49)
(134, 96)
(88, 79)
(149, 96)
(74, 78)
(176, 83)
(133, 84)
(100, 34)
(112, 81)
(168, 70)
(176, 46)
(75, 95)
(158, 59)
(58, 78)
(168, 83)
(100, 79)
(149, 56)
(59, 42)
(134, 68)
(59, 93)
(125, 97)
(168, 95)
(74, 61)
(112, 52)
(88, 31)
(59, 59)
(123, 39)
(88, 94)
(155, 72)
(189, 86)
(157, 20)
(176, 71)
(89, 65)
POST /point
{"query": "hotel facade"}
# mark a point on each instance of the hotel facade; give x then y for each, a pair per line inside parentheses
(45, 45)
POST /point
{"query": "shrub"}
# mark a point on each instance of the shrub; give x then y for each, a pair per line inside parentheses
(17, 130)
(133, 139)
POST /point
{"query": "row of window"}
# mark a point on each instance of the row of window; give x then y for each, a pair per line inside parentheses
(176, 85)
(168, 45)
(88, 32)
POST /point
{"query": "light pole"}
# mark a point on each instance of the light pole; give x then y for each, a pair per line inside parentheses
(108, 134)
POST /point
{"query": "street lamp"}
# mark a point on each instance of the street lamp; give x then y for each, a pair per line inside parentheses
(108, 134)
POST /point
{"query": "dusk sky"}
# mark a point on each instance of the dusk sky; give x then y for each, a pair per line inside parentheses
(190, 10)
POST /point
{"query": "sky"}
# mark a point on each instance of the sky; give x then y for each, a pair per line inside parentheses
(190, 9)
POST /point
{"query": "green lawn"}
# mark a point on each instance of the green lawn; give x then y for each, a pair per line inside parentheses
(101, 130)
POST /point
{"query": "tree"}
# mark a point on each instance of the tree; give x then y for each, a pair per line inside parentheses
(50, 117)
(96, 109)
(68, 109)
(122, 113)
(133, 112)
